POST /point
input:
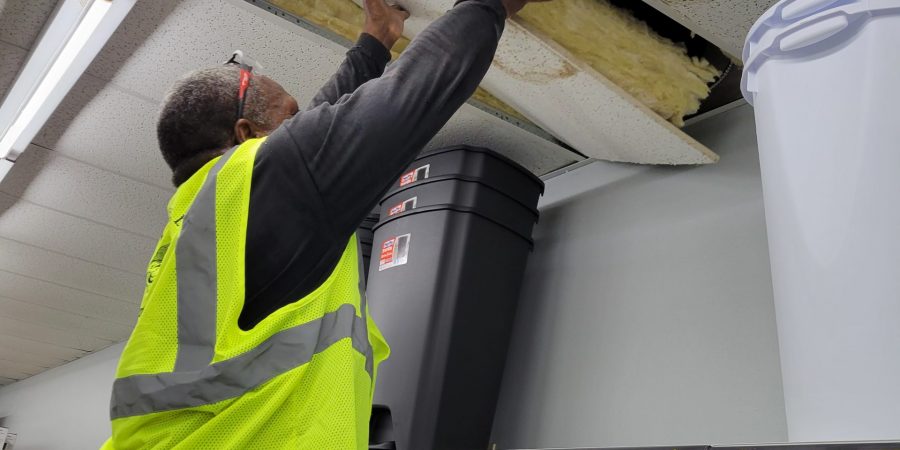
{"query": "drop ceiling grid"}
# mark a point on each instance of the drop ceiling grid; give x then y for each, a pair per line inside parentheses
(48, 335)
(13, 59)
(147, 59)
(101, 124)
(27, 312)
(40, 350)
(295, 57)
(53, 180)
(29, 369)
(68, 300)
(61, 270)
(10, 353)
(25, 222)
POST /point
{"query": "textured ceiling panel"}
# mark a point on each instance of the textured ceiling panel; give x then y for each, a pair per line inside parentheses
(191, 34)
(50, 179)
(102, 125)
(40, 350)
(13, 59)
(10, 353)
(26, 368)
(43, 265)
(21, 21)
(472, 126)
(64, 320)
(293, 56)
(9, 372)
(39, 332)
(38, 292)
(572, 101)
(52, 230)
(725, 23)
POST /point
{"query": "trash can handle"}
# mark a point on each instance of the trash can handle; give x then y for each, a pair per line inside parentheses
(797, 8)
(816, 29)
(807, 35)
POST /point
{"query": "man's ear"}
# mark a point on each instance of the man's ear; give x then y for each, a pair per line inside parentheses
(243, 130)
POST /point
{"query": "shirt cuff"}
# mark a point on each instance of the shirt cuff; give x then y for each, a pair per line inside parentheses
(373, 48)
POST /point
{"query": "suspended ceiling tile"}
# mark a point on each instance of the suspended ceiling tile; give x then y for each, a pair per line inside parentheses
(21, 21)
(42, 333)
(146, 59)
(570, 100)
(12, 373)
(40, 349)
(55, 181)
(725, 23)
(191, 35)
(13, 59)
(64, 320)
(73, 236)
(64, 271)
(37, 292)
(102, 125)
(10, 353)
(470, 125)
(25, 368)
(473, 126)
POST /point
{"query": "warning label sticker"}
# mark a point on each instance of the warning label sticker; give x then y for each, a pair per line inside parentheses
(415, 175)
(405, 206)
(394, 252)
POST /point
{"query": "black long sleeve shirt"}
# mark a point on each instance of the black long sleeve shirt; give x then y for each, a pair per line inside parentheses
(320, 173)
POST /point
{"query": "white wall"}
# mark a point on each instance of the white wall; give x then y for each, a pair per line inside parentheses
(63, 408)
(647, 315)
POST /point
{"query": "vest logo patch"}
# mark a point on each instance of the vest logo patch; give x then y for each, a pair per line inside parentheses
(156, 263)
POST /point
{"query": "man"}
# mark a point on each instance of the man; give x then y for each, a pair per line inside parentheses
(253, 330)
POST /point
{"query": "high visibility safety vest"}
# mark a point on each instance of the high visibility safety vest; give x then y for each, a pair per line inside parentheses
(190, 378)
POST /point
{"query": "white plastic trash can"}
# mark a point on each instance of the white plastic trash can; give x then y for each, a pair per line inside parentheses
(824, 79)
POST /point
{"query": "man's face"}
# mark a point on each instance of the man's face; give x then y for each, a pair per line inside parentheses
(281, 105)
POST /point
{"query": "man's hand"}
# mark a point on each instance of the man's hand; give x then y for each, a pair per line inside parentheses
(514, 6)
(384, 22)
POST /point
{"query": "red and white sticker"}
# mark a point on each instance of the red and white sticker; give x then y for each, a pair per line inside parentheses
(415, 175)
(394, 252)
(405, 206)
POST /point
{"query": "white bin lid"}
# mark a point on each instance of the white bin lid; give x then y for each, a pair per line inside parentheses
(812, 34)
(783, 14)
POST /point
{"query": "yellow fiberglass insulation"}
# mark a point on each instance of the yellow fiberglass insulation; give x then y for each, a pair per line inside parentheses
(656, 71)
(346, 18)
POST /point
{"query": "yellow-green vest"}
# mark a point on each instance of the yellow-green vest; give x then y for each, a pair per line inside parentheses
(190, 378)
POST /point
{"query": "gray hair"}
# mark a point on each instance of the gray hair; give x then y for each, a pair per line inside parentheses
(198, 115)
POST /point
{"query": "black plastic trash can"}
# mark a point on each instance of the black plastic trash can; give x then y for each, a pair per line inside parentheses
(365, 234)
(443, 286)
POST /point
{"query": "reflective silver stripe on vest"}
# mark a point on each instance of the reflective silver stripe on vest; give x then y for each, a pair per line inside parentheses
(370, 358)
(283, 351)
(195, 262)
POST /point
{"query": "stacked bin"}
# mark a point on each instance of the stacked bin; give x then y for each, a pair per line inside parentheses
(365, 234)
(450, 254)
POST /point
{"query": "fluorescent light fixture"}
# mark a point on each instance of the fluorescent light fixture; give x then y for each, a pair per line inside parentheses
(67, 46)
